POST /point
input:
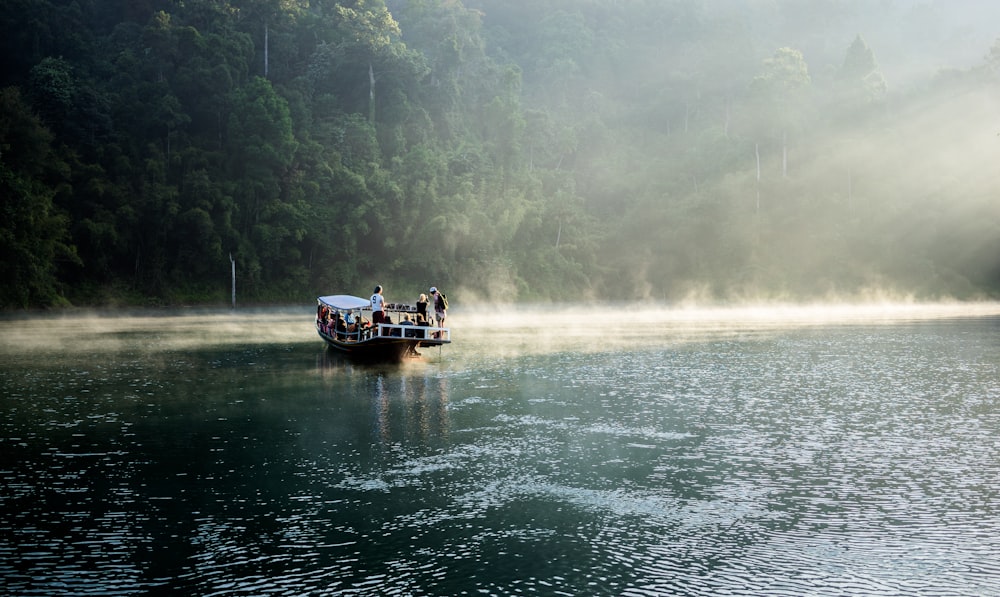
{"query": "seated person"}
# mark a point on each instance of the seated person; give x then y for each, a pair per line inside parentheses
(337, 327)
(408, 321)
(392, 331)
(352, 324)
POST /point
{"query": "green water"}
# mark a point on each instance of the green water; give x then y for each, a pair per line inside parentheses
(737, 453)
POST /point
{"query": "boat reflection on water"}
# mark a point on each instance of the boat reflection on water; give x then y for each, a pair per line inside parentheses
(410, 408)
(408, 401)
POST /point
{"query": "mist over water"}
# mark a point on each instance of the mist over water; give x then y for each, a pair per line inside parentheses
(152, 330)
(789, 450)
(611, 327)
(506, 330)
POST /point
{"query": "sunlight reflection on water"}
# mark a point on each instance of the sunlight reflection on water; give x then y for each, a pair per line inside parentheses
(784, 451)
(599, 328)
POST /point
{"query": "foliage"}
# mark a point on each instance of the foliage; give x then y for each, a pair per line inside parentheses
(506, 150)
(34, 234)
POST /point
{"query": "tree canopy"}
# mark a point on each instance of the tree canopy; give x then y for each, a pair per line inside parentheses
(509, 150)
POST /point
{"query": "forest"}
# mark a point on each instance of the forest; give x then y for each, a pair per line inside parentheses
(504, 150)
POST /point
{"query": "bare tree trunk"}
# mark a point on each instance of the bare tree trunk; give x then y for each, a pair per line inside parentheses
(784, 154)
(850, 191)
(725, 124)
(756, 150)
(371, 93)
(233, 262)
(265, 49)
(756, 213)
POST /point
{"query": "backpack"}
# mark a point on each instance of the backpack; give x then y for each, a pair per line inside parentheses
(444, 301)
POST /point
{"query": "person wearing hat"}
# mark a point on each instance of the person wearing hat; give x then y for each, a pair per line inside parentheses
(440, 311)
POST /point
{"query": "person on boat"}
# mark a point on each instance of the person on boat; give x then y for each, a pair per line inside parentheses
(378, 306)
(408, 321)
(422, 308)
(340, 326)
(352, 324)
(411, 349)
(440, 309)
(388, 321)
(323, 318)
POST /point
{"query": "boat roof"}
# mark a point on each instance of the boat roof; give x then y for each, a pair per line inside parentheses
(345, 301)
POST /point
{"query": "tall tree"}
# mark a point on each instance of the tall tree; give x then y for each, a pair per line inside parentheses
(34, 234)
(780, 93)
(862, 81)
(261, 149)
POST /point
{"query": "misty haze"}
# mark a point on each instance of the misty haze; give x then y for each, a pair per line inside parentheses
(724, 284)
(508, 151)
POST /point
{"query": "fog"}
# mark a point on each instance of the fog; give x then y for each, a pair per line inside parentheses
(716, 172)
(477, 333)
(912, 39)
(571, 150)
(143, 332)
(615, 327)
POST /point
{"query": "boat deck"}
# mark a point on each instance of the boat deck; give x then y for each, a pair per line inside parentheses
(427, 335)
(344, 322)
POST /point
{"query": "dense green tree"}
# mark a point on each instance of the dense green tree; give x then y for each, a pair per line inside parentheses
(572, 148)
(34, 238)
(261, 149)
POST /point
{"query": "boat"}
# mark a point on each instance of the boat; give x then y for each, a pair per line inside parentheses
(344, 322)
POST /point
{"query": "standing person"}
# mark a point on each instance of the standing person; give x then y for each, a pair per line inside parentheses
(440, 306)
(422, 308)
(378, 306)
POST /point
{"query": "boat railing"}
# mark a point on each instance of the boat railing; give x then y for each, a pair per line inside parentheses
(400, 330)
(357, 334)
(420, 332)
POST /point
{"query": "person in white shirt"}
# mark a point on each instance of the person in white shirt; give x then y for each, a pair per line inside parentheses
(378, 306)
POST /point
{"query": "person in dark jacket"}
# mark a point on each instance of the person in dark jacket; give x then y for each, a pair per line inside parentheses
(422, 309)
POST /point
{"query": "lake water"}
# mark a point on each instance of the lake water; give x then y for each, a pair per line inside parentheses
(781, 451)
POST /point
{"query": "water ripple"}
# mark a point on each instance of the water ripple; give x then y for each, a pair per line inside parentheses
(840, 459)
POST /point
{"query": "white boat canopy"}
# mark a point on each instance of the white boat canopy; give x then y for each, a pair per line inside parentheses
(345, 302)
